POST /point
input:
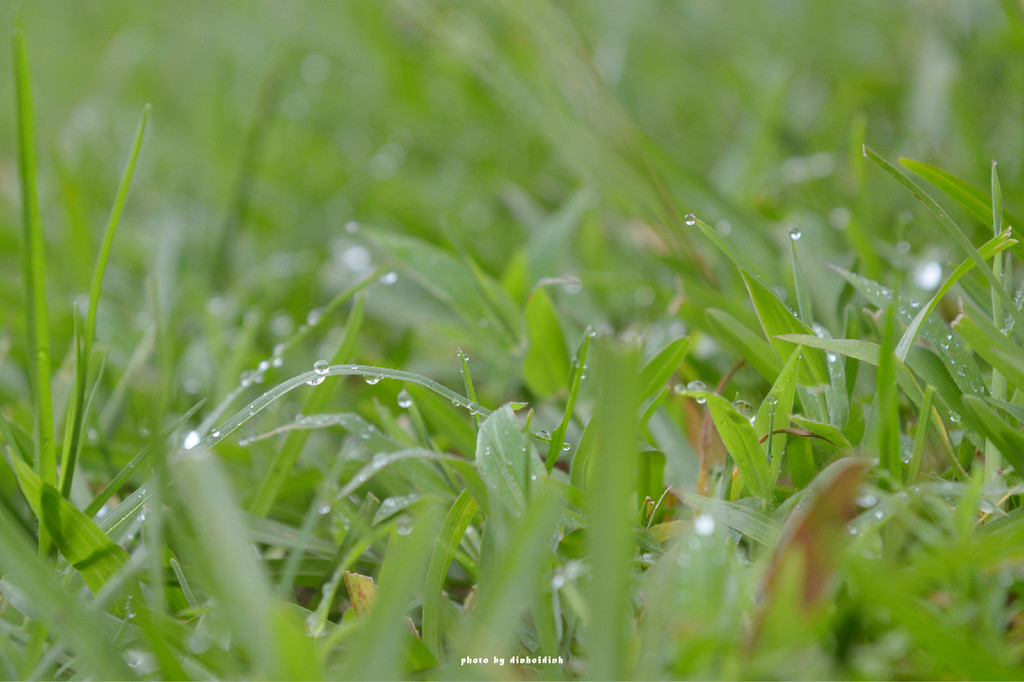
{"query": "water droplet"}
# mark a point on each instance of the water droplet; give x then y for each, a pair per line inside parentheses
(690, 219)
(795, 233)
(954, 417)
(403, 529)
(313, 318)
(879, 514)
(128, 610)
(704, 524)
(315, 380)
(533, 477)
(866, 500)
(743, 407)
(356, 258)
(277, 362)
(565, 446)
(544, 434)
(191, 440)
(404, 399)
(591, 332)
(772, 400)
(903, 247)
(557, 581)
(928, 275)
(678, 388)
(324, 509)
(321, 367)
(372, 380)
(388, 278)
(351, 227)
(215, 433)
(245, 378)
(831, 357)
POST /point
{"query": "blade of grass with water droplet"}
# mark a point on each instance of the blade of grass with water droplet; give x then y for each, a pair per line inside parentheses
(454, 527)
(992, 345)
(746, 521)
(508, 462)
(956, 233)
(1008, 440)
(774, 416)
(33, 264)
(955, 357)
(576, 374)
(742, 443)
(748, 345)
(991, 248)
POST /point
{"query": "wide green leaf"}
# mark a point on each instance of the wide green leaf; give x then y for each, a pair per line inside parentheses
(507, 461)
(81, 541)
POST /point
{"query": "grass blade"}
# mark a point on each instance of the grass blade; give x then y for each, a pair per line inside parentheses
(33, 264)
(955, 232)
(545, 365)
(81, 541)
(454, 527)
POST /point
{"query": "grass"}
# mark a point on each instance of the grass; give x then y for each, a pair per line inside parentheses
(511, 341)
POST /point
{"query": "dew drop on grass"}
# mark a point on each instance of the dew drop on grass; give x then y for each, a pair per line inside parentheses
(191, 440)
(313, 318)
(831, 357)
(404, 399)
(690, 219)
(795, 233)
(704, 524)
(388, 278)
(321, 367)
(565, 446)
(263, 366)
(772, 400)
(215, 433)
(315, 381)
(744, 408)
(372, 380)
(324, 509)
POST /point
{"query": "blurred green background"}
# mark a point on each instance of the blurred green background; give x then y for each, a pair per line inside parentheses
(571, 137)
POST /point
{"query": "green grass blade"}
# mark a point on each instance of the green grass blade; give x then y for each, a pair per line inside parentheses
(545, 365)
(992, 345)
(991, 248)
(751, 523)
(611, 494)
(960, 191)
(920, 436)
(285, 458)
(955, 357)
(1007, 439)
(133, 465)
(774, 413)
(454, 527)
(79, 628)
(662, 366)
(81, 541)
(955, 232)
(888, 401)
(742, 443)
(748, 345)
(576, 374)
(33, 259)
(377, 650)
(508, 462)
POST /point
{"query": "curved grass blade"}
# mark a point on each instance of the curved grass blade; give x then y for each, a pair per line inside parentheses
(507, 461)
(656, 372)
(955, 357)
(988, 342)
(993, 247)
(1008, 440)
(967, 195)
(773, 414)
(956, 233)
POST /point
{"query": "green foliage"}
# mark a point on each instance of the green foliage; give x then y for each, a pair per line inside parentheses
(745, 401)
